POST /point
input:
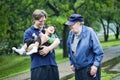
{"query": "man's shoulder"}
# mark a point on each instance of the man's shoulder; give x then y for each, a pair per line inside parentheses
(29, 29)
(87, 28)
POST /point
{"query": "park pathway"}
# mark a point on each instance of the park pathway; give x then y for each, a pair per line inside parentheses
(64, 68)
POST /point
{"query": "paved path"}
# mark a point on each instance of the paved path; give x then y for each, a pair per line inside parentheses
(111, 53)
(116, 78)
(116, 68)
(64, 68)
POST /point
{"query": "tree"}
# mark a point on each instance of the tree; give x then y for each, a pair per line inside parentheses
(16, 17)
(116, 19)
(106, 10)
(13, 21)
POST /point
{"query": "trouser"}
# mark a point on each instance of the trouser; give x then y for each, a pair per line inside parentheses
(45, 73)
(84, 74)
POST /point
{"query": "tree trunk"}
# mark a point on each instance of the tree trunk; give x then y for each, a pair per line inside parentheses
(65, 34)
(117, 33)
(104, 29)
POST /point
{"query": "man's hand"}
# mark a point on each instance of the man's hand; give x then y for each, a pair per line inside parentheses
(44, 51)
(93, 71)
(72, 68)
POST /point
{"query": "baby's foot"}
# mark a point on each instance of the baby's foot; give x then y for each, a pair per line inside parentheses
(34, 50)
(20, 51)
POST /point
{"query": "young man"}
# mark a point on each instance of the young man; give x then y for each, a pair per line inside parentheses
(42, 67)
(84, 49)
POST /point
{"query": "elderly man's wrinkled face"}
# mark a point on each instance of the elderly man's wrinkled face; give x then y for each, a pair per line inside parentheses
(75, 27)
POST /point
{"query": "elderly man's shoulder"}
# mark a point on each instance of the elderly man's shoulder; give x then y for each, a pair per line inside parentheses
(88, 28)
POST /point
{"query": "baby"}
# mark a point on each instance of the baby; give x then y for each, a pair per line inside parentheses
(49, 37)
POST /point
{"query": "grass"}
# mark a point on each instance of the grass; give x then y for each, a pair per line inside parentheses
(11, 65)
(110, 43)
(59, 56)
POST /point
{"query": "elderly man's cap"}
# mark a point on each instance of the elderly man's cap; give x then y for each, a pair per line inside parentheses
(74, 18)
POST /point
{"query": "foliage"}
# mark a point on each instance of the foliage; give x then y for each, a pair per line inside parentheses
(15, 17)
(13, 22)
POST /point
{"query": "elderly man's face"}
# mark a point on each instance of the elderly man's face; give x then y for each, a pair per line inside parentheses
(75, 27)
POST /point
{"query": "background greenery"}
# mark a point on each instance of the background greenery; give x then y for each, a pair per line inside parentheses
(16, 17)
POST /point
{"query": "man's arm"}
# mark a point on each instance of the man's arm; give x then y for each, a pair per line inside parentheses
(54, 44)
(46, 49)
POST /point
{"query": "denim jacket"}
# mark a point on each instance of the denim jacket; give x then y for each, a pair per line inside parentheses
(88, 50)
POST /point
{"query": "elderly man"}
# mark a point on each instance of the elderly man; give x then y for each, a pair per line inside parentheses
(85, 51)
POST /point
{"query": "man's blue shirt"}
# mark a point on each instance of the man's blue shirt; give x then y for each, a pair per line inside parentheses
(88, 50)
(38, 60)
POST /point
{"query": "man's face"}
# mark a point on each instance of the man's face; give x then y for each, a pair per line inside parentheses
(39, 23)
(75, 27)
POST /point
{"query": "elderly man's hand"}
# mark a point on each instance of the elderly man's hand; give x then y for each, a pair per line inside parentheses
(72, 68)
(93, 71)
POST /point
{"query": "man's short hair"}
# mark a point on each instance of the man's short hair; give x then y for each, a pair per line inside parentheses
(37, 14)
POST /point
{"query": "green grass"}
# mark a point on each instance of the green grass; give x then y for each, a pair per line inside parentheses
(59, 56)
(11, 65)
(110, 43)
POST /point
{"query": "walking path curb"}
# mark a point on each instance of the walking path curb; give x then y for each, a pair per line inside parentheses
(64, 68)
